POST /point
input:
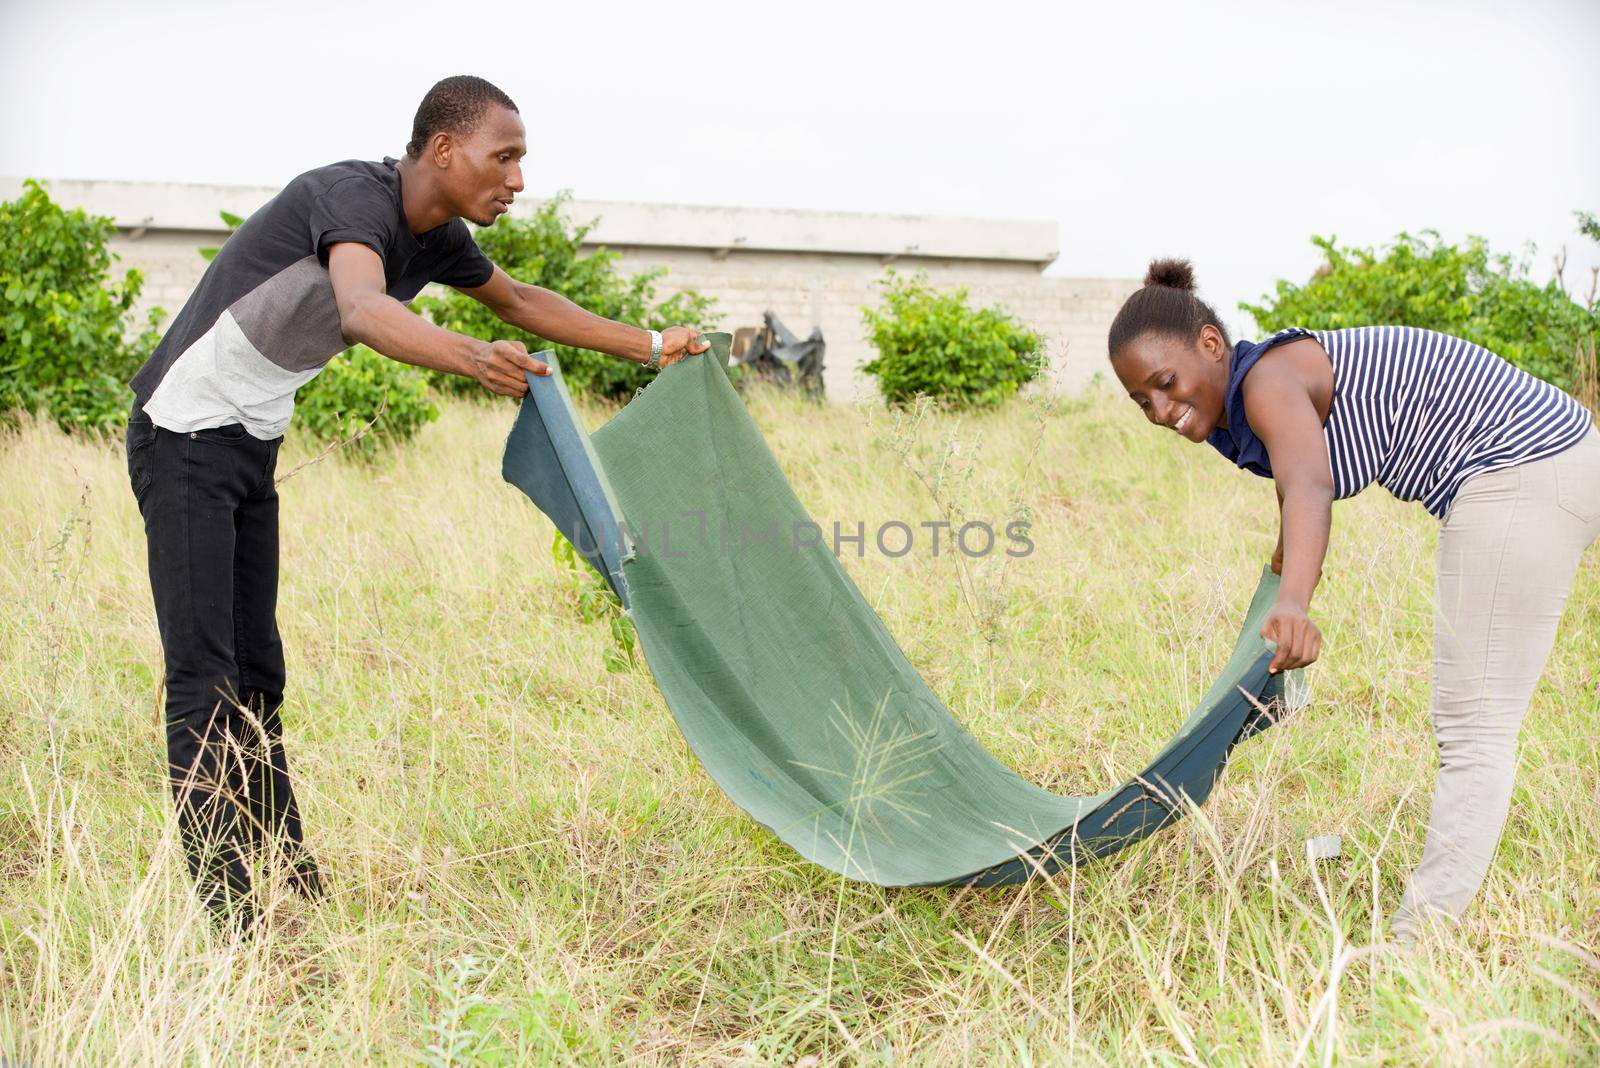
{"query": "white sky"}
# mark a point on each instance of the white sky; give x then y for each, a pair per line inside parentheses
(1143, 129)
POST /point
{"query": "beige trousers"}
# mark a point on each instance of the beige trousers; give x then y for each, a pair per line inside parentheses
(1508, 551)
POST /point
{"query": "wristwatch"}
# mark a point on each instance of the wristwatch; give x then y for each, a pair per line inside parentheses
(654, 362)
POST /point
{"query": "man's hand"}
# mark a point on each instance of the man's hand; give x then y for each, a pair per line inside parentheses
(499, 365)
(680, 341)
(1299, 640)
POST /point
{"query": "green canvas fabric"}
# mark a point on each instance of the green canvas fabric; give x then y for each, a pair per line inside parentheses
(787, 685)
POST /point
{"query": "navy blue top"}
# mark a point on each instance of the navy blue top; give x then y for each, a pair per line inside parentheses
(1237, 441)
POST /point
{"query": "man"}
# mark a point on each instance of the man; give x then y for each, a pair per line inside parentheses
(328, 262)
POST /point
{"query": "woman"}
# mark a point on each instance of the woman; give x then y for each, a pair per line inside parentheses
(1511, 465)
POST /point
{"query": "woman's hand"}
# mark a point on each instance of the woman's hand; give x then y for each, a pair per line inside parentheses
(1298, 639)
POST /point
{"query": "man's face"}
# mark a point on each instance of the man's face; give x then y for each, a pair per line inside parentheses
(483, 170)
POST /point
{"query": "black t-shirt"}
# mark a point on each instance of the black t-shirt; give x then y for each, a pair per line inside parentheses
(262, 322)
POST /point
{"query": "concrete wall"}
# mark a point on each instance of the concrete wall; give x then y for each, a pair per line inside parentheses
(818, 289)
(812, 268)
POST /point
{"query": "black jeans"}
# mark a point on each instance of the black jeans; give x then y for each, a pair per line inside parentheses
(211, 523)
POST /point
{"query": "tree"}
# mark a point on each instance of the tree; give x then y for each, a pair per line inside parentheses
(1468, 291)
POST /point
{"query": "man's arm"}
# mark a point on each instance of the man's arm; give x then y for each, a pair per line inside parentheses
(555, 318)
(368, 315)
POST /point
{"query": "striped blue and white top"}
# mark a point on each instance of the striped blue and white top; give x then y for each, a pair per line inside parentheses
(1415, 411)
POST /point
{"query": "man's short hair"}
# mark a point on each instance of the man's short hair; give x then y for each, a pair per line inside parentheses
(455, 105)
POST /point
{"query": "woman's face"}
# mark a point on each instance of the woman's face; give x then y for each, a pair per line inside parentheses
(1181, 385)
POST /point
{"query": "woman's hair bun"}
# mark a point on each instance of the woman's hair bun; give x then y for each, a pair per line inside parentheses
(1174, 274)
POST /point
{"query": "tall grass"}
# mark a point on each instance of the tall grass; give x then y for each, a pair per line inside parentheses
(527, 864)
(1586, 374)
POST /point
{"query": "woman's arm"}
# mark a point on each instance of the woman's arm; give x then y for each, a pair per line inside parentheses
(1277, 553)
(1279, 406)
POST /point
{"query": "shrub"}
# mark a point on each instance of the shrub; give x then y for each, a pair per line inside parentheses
(935, 344)
(360, 387)
(66, 347)
(545, 250)
(1468, 291)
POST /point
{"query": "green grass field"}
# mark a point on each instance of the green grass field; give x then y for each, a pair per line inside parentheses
(528, 865)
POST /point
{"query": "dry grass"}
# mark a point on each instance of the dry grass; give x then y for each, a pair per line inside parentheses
(1586, 366)
(529, 866)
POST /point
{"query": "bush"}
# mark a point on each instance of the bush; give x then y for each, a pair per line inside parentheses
(66, 348)
(355, 389)
(935, 344)
(545, 250)
(1468, 291)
